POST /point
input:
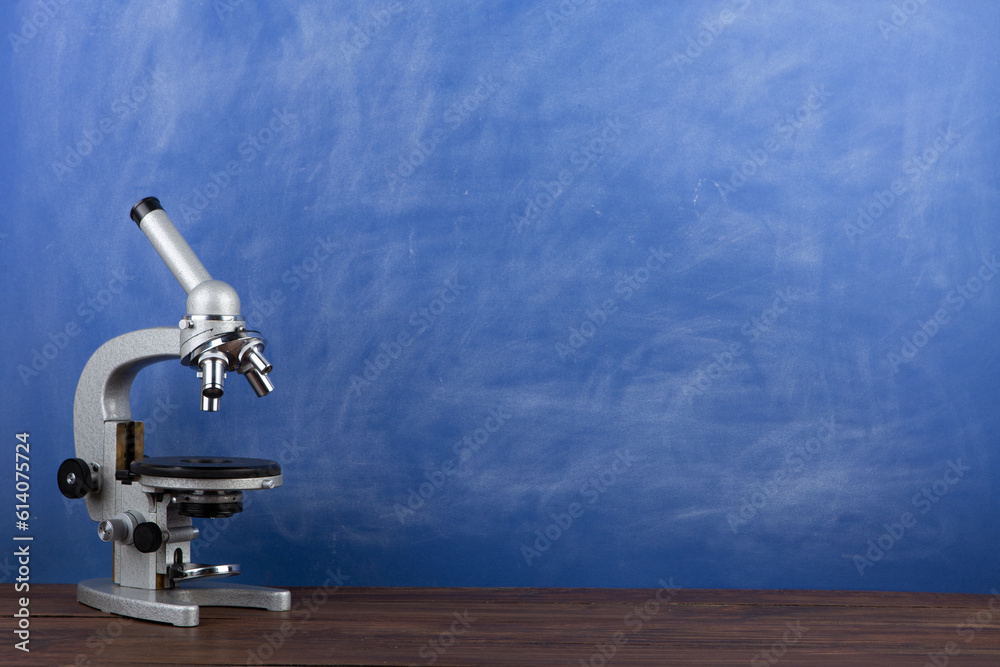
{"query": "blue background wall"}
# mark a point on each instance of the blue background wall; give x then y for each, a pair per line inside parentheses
(712, 281)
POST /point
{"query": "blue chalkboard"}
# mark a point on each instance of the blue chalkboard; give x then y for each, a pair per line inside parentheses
(557, 293)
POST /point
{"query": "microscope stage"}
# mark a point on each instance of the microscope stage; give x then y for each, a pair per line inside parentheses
(205, 467)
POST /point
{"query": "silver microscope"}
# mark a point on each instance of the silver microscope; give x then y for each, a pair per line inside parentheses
(144, 505)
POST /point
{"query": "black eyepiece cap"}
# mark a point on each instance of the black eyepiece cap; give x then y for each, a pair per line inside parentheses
(145, 207)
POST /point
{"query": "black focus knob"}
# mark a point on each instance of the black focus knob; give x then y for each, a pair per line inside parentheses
(75, 480)
(147, 537)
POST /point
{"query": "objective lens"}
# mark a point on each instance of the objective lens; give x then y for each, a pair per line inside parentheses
(213, 374)
(257, 360)
(260, 383)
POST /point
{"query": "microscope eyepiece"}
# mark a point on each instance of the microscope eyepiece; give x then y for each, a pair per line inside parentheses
(144, 207)
(154, 222)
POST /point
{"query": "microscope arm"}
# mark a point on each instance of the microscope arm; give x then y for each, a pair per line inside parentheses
(102, 399)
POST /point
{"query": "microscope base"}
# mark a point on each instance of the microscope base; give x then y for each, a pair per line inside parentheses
(177, 606)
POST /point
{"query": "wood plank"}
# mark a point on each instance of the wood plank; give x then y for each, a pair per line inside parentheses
(396, 626)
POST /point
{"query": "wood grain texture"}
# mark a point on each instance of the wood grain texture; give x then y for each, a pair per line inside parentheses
(395, 626)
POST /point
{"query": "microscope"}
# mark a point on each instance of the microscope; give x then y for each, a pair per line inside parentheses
(145, 505)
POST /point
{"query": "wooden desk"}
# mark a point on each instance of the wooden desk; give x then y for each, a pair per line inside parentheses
(396, 626)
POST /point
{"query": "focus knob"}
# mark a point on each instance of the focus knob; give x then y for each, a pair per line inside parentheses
(147, 537)
(75, 480)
